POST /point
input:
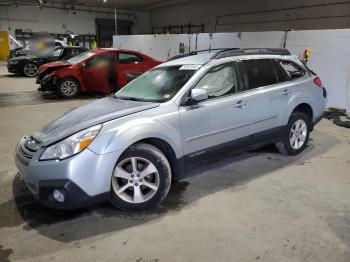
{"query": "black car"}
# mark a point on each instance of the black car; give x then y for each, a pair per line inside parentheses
(28, 48)
(28, 64)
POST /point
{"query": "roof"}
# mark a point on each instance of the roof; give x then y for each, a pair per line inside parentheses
(75, 47)
(199, 59)
(205, 56)
(101, 50)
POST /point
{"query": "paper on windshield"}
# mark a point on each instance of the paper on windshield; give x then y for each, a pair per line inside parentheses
(190, 67)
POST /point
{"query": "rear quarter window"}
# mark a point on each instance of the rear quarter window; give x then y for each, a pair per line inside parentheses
(293, 70)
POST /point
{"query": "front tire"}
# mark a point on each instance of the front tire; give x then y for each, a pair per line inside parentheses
(296, 134)
(30, 69)
(141, 178)
(68, 87)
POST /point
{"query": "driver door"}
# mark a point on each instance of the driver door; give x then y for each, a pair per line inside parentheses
(219, 122)
(97, 73)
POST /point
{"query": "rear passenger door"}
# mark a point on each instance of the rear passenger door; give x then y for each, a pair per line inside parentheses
(262, 77)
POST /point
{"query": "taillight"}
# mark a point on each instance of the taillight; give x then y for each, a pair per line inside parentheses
(318, 82)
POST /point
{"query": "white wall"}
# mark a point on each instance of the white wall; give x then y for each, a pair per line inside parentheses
(59, 21)
(255, 15)
(330, 51)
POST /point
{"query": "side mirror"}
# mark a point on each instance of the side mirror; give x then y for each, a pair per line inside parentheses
(198, 94)
(83, 65)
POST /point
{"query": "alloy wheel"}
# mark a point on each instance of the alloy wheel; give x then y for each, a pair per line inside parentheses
(68, 88)
(298, 134)
(30, 70)
(135, 180)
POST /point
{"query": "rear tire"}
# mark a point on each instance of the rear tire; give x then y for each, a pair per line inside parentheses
(296, 134)
(68, 87)
(141, 178)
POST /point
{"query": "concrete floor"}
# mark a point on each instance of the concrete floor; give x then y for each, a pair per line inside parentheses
(258, 206)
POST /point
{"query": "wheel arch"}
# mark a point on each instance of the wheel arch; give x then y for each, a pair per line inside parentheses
(60, 78)
(305, 108)
(65, 72)
(302, 102)
(176, 165)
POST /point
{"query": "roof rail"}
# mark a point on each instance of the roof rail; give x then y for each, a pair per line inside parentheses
(196, 53)
(250, 51)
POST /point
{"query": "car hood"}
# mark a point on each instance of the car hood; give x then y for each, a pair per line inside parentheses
(20, 58)
(94, 113)
(28, 56)
(53, 65)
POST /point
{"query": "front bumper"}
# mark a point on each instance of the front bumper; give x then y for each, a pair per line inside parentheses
(47, 83)
(84, 178)
(74, 196)
(14, 68)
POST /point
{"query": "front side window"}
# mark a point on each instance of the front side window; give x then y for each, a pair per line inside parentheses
(220, 81)
(101, 61)
(259, 72)
(127, 58)
(159, 84)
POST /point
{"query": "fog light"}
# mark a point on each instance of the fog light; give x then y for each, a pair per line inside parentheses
(58, 196)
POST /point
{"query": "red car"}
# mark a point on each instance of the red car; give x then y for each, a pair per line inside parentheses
(100, 70)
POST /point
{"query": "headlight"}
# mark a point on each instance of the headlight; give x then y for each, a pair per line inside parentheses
(71, 145)
(13, 62)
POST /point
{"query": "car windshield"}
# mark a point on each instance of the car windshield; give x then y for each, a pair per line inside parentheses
(80, 57)
(158, 85)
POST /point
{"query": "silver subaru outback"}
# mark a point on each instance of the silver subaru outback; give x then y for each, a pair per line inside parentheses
(129, 147)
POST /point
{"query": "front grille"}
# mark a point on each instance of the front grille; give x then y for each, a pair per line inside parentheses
(26, 149)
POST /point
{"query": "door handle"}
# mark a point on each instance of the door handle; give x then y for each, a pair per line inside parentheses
(286, 92)
(241, 104)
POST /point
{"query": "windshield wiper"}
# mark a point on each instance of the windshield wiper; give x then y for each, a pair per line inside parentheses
(127, 98)
(138, 99)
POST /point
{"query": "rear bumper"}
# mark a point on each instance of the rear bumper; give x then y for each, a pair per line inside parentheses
(324, 92)
(319, 108)
(317, 120)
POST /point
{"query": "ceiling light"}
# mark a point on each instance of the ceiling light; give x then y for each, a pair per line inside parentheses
(105, 1)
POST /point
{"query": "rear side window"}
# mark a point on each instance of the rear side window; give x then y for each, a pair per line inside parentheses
(220, 81)
(259, 72)
(293, 70)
